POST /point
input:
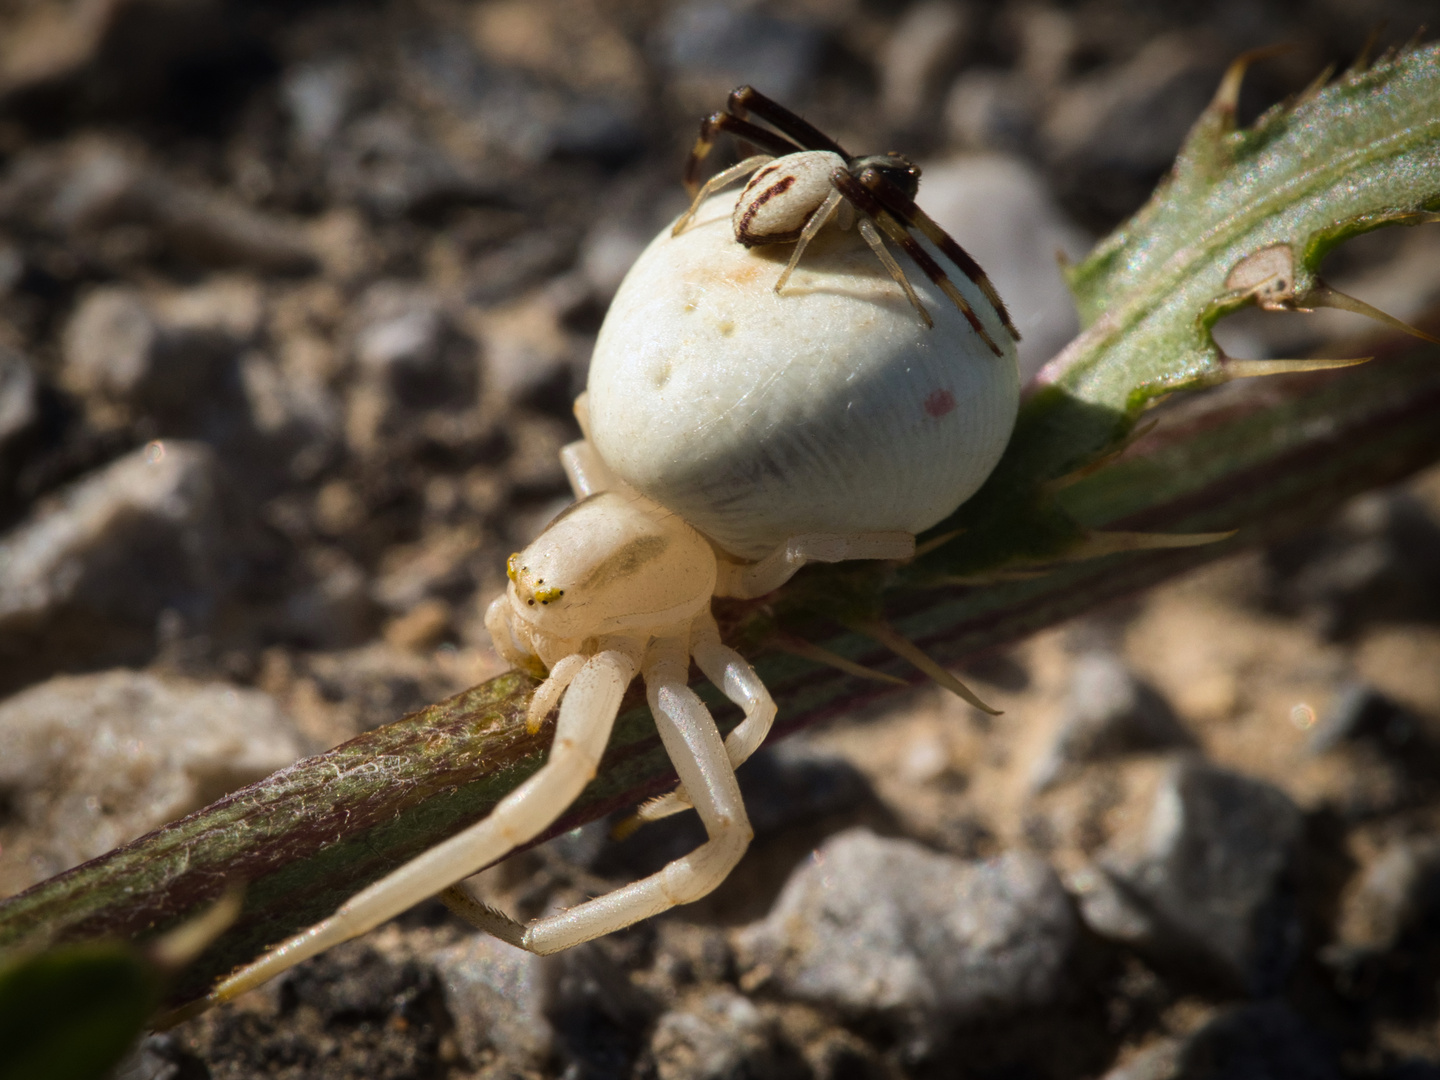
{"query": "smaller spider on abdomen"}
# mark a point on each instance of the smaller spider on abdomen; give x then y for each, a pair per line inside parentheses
(808, 179)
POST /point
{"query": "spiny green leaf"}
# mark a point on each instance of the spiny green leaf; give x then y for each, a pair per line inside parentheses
(1354, 155)
(1358, 154)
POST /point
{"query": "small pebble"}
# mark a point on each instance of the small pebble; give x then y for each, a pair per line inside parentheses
(1359, 711)
(873, 926)
(496, 996)
(92, 761)
(727, 45)
(723, 1037)
(1110, 133)
(1394, 893)
(1108, 712)
(88, 573)
(1202, 876)
(1264, 1041)
(19, 389)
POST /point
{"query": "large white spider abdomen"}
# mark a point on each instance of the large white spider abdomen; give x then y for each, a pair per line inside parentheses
(827, 408)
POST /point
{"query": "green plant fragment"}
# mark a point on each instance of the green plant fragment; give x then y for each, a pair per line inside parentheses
(1356, 154)
(71, 1013)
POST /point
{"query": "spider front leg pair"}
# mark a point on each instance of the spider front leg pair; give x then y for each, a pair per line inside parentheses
(693, 744)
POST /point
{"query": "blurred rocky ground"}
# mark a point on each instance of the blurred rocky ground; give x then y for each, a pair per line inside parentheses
(294, 299)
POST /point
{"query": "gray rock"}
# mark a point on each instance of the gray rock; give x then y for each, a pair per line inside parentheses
(91, 185)
(1108, 712)
(215, 231)
(92, 761)
(1264, 1041)
(529, 355)
(727, 45)
(599, 1014)
(294, 410)
(112, 344)
(377, 681)
(1359, 711)
(83, 579)
(19, 407)
(319, 97)
(877, 926)
(1375, 560)
(158, 1057)
(1201, 876)
(387, 164)
(608, 252)
(724, 1037)
(572, 90)
(992, 109)
(793, 782)
(157, 354)
(413, 363)
(1109, 134)
(19, 416)
(1002, 212)
(928, 37)
(1395, 891)
(1158, 1061)
(496, 995)
(330, 606)
(402, 332)
(437, 565)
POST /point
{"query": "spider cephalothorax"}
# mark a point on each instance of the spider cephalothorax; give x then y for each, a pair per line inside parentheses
(807, 179)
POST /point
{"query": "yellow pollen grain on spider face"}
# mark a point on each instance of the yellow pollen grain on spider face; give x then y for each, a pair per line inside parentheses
(545, 596)
(512, 566)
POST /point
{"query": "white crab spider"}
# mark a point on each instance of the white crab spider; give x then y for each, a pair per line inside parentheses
(615, 586)
(732, 435)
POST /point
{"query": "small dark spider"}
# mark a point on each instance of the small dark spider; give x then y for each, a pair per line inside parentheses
(807, 178)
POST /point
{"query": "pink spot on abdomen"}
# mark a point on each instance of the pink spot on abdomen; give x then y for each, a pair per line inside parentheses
(939, 403)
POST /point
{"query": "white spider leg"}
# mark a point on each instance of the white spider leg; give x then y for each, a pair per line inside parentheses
(549, 691)
(877, 245)
(729, 671)
(718, 181)
(586, 718)
(693, 743)
(737, 680)
(749, 580)
(817, 221)
(584, 469)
